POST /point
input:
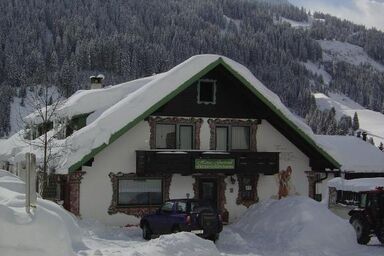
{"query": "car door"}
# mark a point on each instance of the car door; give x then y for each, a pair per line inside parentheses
(164, 220)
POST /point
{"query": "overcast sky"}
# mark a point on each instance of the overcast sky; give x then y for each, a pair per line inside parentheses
(367, 12)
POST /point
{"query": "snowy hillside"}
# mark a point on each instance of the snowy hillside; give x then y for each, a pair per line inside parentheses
(341, 51)
(370, 121)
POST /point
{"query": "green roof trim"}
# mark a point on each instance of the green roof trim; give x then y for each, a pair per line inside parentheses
(182, 87)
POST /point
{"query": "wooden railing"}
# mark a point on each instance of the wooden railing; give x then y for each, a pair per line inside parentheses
(194, 161)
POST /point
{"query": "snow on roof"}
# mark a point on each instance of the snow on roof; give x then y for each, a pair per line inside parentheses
(354, 155)
(87, 101)
(356, 185)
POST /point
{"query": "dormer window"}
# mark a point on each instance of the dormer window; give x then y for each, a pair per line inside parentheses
(206, 91)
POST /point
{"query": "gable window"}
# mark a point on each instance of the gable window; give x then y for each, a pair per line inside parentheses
(174, 136)
(206, 91)
(136, 191)
(232, 137)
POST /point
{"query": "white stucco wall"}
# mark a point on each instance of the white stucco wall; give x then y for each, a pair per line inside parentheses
(181, 186)
(270, 140)
(96, 186)
(120, 156)
(231, 193)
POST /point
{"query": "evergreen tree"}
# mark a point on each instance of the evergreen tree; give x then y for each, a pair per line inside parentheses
(355, 122)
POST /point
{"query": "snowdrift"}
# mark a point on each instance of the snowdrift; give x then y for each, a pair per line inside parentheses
(49, 230)
(128, 242)
(292, 226)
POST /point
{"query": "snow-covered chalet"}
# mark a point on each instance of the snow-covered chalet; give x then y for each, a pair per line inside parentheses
(205, 129)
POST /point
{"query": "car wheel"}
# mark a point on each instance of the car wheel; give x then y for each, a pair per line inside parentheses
(362, 230)
(176, 229)
(380, 235)
(147, 233)
(214, 238)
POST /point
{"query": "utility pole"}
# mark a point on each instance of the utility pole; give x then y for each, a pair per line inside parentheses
(30, 182)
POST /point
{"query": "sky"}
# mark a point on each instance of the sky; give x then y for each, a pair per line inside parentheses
(366, 12)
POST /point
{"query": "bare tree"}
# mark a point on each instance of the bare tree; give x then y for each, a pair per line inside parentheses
(41, 134)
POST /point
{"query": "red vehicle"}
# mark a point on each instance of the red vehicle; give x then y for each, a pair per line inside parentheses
(368, 218)
(189, 215)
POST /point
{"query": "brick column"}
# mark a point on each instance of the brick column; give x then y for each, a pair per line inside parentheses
(311, 176)
(74, 181)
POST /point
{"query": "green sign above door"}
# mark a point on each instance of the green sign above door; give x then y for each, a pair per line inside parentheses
(213, 164)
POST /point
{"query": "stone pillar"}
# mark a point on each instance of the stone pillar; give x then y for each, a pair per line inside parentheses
(74, 180)
(311, 176)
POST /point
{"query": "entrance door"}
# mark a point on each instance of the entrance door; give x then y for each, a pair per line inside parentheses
(208, 191)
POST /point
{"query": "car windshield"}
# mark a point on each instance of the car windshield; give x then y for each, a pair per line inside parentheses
(200, 204)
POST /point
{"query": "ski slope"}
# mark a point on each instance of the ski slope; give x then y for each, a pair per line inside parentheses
(353, 54)
(370, 121)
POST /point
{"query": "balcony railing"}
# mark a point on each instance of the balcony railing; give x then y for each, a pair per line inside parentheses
(195, 161)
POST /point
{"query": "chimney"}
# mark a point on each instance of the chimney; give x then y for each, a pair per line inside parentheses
(96, 81)
(364, 136)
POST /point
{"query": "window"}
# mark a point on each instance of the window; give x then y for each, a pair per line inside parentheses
(182, 207)
(246, 188)
(222, 138)
(206, 91)
(240, 137)
(232, 138)
(167, 207)
(172, 136)
(165, 136)
(140, 192)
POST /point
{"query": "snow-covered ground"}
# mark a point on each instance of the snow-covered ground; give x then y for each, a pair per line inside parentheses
(353, 54)
(370, 121)
(295, 225)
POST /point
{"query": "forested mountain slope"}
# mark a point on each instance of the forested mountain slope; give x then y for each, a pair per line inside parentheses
(62, 42)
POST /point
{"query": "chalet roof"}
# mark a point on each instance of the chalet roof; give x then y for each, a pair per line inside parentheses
(134, 107)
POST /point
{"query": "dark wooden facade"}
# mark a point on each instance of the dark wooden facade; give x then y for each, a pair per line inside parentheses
(153, 162)
(235, 100)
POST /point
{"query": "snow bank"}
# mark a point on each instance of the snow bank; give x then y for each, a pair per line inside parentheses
(356, 185)
(291, 226)
(49, 230)
(107, 240)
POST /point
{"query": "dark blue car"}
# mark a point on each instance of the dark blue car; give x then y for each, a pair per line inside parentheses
(189, 215)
